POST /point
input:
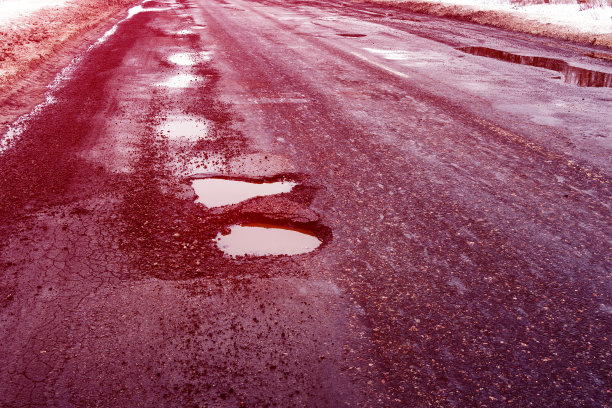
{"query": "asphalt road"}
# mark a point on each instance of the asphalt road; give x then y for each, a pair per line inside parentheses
(463, 204)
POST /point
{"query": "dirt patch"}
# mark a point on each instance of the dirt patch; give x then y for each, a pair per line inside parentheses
(499, 19)
(35, 50)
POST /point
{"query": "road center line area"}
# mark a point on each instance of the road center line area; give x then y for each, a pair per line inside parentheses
(257, 203)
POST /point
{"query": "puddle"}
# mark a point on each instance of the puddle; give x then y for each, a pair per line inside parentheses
(189, 58)
(185, 128)
(266, 239)
(180, 81)
(352, 35)
(573, 75)
(217, 192)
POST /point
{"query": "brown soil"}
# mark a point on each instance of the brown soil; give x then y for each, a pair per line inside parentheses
(497, 19)
(34, 51)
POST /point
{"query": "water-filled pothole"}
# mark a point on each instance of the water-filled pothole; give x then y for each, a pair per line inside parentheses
(573, 75)
(352, 35)
(266, 239)
(217, 191)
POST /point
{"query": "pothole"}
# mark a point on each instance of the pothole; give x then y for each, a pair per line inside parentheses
(266, 239)
(352, 35)
(180, 81)
(189, 58)
(573, 75)
(218, 192)
(185, 128)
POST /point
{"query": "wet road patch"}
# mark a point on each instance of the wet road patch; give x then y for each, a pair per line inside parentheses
(180, 81)
(189, 58)
(266, 239)
(185, 128)
(573, 75)
(218, 191)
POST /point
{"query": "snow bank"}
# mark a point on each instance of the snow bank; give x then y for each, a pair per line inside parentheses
(13, 10)
(563, 19)
(594, 20)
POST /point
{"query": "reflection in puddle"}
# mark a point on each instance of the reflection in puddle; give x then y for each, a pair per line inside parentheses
(180, 81)
(184, 128)
(217, 192)
(265, 239)
(573, 75)
(189, 58)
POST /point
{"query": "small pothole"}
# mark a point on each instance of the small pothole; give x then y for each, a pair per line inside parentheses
(265, 240)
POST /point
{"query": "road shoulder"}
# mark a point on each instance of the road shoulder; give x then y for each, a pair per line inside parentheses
(41, 45)
(500, 19)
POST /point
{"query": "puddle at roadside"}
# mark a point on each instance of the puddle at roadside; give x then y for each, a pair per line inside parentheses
(189, 58)
(573, 75)
(351, 35)
(185, 128)
(180, 81)
(217, 192)
(393, 55)
(266, 239)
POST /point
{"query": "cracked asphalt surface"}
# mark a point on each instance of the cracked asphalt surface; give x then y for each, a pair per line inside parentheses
(463, 204)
